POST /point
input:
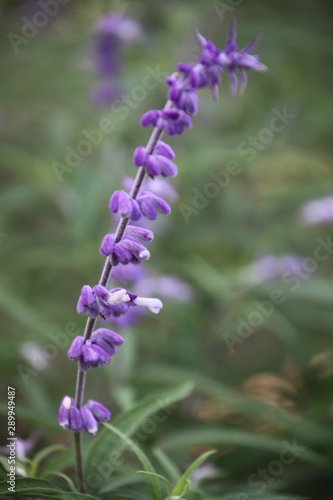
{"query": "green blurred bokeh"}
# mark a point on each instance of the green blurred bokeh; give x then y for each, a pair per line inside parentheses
(51, 230)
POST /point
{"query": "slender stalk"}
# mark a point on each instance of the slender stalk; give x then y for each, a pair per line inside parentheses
(90, 325)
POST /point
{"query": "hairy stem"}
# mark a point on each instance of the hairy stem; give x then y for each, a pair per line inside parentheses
(90, 325)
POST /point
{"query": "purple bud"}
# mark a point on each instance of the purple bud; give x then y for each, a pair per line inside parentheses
(107, 245)
(75, 349)
(167, 167)
(99, 411)
(140, 233)
(150, 204)
(123, 204)
(164, 149)
(121, 255)
(150, 118)
(89, 421)
(153, 165)
(89, 355)
(103, 357)
(64, 408)
(87, 303)
(139, 157)
(136, 249)
(75, 420)
(108, 336)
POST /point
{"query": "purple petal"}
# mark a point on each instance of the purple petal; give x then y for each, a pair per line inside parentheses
(75, 349)
(150, 118)
(75, 420)
(139, 157)
(107, 245)
(99, 411)
(140, 233)
(89, 421)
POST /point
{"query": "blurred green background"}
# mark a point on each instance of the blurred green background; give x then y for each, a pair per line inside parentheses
(278, 382)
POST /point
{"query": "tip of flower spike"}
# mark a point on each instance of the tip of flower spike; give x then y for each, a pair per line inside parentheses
(231, 40)
(202, 40)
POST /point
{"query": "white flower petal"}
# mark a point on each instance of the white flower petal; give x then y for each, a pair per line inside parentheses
(154, 305)
(118, 297)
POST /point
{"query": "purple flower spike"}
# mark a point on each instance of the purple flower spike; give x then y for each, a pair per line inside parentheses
(124, 205)
(150, 204)
(99, 411)
(75, 349)
(87, 303)
(89, 421)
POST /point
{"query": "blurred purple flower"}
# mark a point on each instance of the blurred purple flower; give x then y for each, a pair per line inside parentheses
(112, 31)
(105, 92)
(269, 267)
(319, 211)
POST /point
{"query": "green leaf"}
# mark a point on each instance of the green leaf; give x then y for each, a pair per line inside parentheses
(40, 488)
(43, 454)
(158, 476)
(140, 456)
(129, 422)
(181, 486)
(230, 437)
(64, 477)
(168, 465)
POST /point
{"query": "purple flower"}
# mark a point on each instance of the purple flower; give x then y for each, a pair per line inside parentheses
(123, 204)
(112, 302)
(92, 413)
(172, 121)
(150, 204)
(89, 421)
(212, 61)
(318, 211)
(111, 31)
(87, 303)
(126, 250)
(107, 340)
(69, 415)
(270, 267)
(158, 163)
(182, 95)
(96, 351)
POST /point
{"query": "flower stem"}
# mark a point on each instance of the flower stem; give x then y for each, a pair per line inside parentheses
(90, 325)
